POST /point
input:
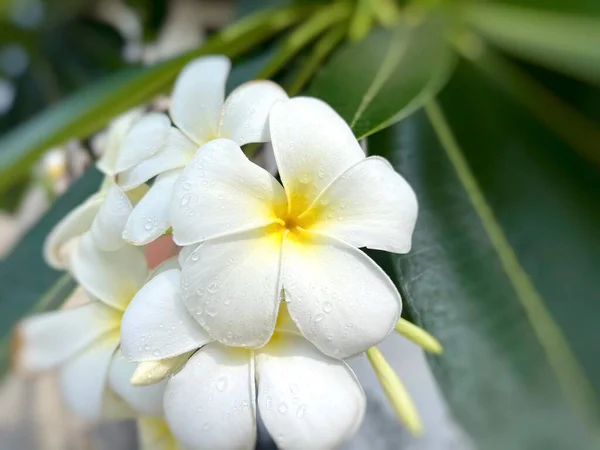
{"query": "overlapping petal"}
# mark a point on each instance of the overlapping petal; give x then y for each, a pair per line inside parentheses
(156, 324)
(176, 152)
(110, 221)
(145, 138)
(113, 139)
(198, 97)
(210, 403)
(144, 399)
(83, 379)
(312, 145)
(245, 114)
(338, 297)
(221, 192)
(230, 285)
(71, 226)
(112, 277)
(306, 399)
(50, 339)
(369, 205)
(149, 219)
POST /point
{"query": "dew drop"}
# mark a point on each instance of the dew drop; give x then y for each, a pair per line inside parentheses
(327, 307)
(301, 411)
(221, 384)
(319, 317)
(283, 408)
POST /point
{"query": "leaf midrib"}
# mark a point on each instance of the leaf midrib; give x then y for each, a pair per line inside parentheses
(569, 373)
(394, 54)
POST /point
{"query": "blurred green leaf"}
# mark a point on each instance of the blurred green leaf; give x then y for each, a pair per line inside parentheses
(565, 42)
(60, 58)
(399, 70)
(504, 267)
(28, 284)
(91, 108)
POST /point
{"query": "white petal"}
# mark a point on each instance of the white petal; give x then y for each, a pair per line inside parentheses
(370, 205)
(110, 221)
(150, 217)
(144, 139)
(176, 152)
(144, 399)
(112, 277)
(306, 399)
(210, 403)
(156, 324)
(222, 192)
(83, 379)
(49, 339)
(115, 134)
(312, 145)
(198, 97)
(185, 253)
(231, 286)
(339, 298)
(74, 224)
(245, 114)
(154, 434)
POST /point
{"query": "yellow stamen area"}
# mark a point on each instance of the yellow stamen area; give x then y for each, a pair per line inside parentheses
(395, 392)
(419, 336)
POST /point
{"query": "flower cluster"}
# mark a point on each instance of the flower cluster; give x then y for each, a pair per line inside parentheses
(269, 291)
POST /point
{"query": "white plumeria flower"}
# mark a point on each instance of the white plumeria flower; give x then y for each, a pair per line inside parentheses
(258, 237)
(200, 113)
(84, 342)
(305, 398)
(105, 212)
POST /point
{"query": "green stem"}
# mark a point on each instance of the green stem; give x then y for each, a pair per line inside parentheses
(303, 35)
(321, 50)
(581, 133)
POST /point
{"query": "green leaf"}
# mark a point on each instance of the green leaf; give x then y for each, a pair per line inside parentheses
(90, 109)
(28, 284)
(504, 267)
(564, 42)
(399, 70)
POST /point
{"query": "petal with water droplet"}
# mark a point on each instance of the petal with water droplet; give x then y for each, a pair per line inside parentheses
(156, 325)
(312, 146)
(306, 399)
(369, 205)
(223, 192)
(231, 286)
(150, 217)
(198, 97)
(245, 114)
(338, 297)
(210, 404)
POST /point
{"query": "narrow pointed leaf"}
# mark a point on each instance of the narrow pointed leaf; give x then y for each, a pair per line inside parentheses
(386, 76)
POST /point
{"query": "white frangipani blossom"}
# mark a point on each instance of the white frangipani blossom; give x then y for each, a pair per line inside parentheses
(105, 212)
(305, 398)
(200, 113)
(84, 342)
(253, 237)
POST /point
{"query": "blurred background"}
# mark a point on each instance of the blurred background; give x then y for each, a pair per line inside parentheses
(527, 122)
